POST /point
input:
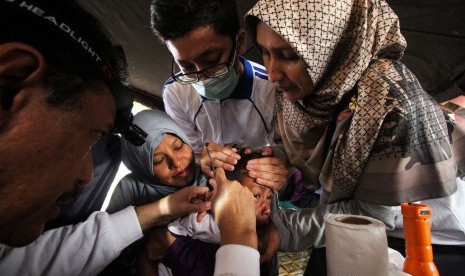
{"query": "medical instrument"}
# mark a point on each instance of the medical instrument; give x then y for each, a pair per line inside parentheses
(212, 167)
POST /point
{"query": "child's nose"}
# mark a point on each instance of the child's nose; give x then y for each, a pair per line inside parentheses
(264, 207)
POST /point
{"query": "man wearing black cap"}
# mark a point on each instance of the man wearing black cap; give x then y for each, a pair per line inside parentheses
(60, 91)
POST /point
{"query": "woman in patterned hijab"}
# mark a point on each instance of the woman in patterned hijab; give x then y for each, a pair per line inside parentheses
(352, 117)
(152, 177)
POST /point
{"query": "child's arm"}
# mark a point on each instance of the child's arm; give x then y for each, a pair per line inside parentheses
(157, 243)
(184, 255)
(153, 250)
(144, 266)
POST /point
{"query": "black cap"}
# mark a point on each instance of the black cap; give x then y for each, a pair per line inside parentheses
(58, 28)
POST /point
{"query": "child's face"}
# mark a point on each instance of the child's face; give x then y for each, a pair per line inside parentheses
(262, 199)
(173, 162)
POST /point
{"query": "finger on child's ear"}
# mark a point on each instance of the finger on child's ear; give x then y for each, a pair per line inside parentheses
(228, 167)
(201, 215)
(220, 175)
(248, 150)
(212, 181)
(267, 151)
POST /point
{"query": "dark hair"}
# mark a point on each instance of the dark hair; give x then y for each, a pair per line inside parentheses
(171, 19)
(240, 170)
(251, 23)
(71, 40)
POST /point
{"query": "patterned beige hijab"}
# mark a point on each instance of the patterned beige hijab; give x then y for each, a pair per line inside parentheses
(355, 45)
(337, 39)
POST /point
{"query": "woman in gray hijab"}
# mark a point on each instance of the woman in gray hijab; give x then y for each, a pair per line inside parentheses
(164, 164)
(161, 166)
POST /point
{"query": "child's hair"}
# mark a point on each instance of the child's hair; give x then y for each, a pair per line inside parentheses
(240, 170)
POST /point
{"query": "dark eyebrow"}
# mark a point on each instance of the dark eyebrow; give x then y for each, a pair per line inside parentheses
(279, 48)
(263, 187)
(205, 53)
(175, 140)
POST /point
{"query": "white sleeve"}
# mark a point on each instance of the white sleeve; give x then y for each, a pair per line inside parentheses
(82, 249)
(235, 259)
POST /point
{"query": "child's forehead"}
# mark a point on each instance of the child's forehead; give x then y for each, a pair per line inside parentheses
(251, 183)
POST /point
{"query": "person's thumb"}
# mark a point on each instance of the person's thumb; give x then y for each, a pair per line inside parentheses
(200, 207)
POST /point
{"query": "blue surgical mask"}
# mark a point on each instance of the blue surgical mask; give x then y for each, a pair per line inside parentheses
(218, 88)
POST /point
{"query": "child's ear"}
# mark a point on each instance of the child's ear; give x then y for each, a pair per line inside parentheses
(241, 42)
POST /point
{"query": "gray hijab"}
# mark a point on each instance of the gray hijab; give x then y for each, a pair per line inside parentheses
(140, 187)
(139, 160)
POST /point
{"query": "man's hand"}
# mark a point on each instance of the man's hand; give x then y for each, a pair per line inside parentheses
(269, 171)
(185, 201)
(233, 208)
(221, 157)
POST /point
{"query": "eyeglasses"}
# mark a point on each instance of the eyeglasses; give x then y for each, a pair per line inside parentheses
(214, 71)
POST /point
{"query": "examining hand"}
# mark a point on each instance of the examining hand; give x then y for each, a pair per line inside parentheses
(269, 171)
(184, 201)
(234, 212)
(221, 156)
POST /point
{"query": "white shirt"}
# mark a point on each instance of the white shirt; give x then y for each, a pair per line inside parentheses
(447, 220)
(235, 259)
(244, 119)
(206, 230)
(82, 249)
(88, 247)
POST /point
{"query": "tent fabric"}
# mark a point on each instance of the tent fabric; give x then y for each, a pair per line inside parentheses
(434, 30)
(435, 33)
